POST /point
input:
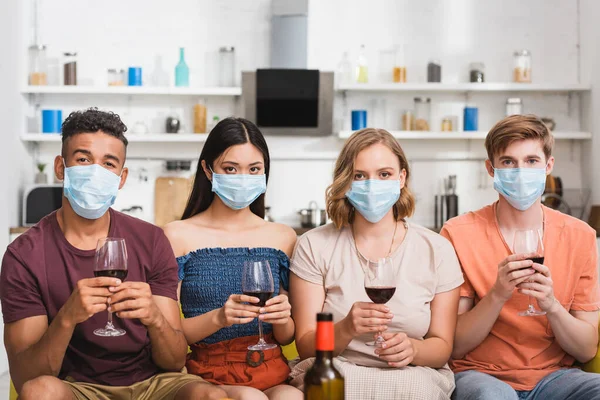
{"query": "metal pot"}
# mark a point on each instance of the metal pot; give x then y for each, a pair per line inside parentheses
(312, 217)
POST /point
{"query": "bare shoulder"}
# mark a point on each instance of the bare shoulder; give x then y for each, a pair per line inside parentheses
(284, 236)
(178, 233)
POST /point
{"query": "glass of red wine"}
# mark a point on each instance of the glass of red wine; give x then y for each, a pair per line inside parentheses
(380, 285)
(530, 243)
(111, 261)
(257, 281)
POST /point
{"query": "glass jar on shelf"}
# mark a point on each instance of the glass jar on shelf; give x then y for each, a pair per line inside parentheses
(476, 72)
(522, 66)
(38, 65)
(116, 77)
(227, 66)
(447, 124)
(514, 106)
(422, 113)
(70, 69)
(408, 120)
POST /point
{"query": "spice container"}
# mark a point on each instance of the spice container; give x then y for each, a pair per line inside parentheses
(227, 66)
(447, 124)
(70, 69)
(476, 72)
(399, 71)
(408, 120)
(514, 106)
(116, 77)
(434, 71)
(200, 118)
(422, 113)
(38, 65)
(522, 66)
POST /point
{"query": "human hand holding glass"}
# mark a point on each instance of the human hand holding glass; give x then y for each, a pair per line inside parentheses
(257, 281)
(529, 243)
(111, 261)
(380, 285)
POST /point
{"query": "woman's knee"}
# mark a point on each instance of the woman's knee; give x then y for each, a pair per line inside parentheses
(206, 391)
(284, 392)
(244, 393)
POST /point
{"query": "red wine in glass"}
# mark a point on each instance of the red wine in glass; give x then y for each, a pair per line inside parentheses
(530, 243)
(380, 294)
(112, 273)
(110, 261)
(261, 296)
(380, 285)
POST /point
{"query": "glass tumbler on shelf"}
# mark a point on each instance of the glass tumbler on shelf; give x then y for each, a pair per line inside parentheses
(522, 66)
(422, 113)
(399, 72)
(38, 65)
(116, 77)
(227, 66)
(408, 120)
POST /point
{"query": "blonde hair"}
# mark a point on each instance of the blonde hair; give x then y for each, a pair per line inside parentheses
(515, 128)
(339, 208)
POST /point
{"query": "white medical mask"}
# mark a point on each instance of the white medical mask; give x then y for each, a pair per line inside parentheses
(238, 191)
(373, 198)
(90, 189)
(521, 187)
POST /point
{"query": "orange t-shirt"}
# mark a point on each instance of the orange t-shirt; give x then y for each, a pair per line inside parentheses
(521, 351)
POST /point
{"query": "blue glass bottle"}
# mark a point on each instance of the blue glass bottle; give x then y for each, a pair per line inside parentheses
(182, 72)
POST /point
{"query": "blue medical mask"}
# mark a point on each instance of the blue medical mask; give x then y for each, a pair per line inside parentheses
(238, 191)
(373, 198)
(521, 187)
(90, 189)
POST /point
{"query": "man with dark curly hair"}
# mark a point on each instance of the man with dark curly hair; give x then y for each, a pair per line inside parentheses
(52, 304)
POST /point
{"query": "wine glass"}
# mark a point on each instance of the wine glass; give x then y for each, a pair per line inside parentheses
(380, 285)
(530, 243)
(257, 281)
(111, 261)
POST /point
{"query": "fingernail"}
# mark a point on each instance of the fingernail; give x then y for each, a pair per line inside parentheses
(109, 308)
(383, 345)
(390, 315)
(387, 309)
(262, 310)
(118, 282)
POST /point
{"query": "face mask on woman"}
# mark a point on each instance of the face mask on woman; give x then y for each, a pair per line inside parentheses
(238, 191)
(374, 198)
(521, 187)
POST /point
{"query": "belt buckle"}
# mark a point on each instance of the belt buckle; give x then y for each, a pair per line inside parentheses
(252, 363)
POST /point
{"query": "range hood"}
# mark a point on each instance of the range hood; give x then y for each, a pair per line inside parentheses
(289, 34)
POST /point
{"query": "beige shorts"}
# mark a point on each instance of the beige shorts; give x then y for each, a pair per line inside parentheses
(159, 387)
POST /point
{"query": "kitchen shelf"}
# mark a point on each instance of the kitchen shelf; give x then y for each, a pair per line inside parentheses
(134, 90)
(464, 87)
(426, 135)
(132, 138)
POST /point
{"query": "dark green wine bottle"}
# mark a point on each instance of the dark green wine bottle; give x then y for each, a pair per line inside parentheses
(323, 381)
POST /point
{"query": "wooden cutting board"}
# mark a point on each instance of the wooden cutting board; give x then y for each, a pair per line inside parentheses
(170, 198)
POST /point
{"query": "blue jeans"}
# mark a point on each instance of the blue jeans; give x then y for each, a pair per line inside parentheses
(565, 384)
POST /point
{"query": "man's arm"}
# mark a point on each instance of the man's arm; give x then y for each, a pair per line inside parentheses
(576, 332)
(160, 315)
(475, 323)
(32, 339)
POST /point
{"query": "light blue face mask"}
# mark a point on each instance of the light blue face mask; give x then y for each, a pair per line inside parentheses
(90, 189)
(521, 187)
(238, 191)
(373, 198)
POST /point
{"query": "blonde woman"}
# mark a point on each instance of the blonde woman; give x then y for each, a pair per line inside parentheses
(368, 203)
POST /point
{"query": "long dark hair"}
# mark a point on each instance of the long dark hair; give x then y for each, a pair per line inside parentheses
(229, 132)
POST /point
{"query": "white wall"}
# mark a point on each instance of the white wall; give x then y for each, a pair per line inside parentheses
(456, 32)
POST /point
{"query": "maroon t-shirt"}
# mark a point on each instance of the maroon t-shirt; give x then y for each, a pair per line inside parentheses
(40, 270)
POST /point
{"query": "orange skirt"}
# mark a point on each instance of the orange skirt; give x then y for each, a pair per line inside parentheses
(231, 363)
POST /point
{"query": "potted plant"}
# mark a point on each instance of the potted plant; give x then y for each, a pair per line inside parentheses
(41, 176)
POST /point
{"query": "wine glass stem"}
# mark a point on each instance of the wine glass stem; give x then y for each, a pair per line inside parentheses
(110, 321)
(260, 332)
(531, 307)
